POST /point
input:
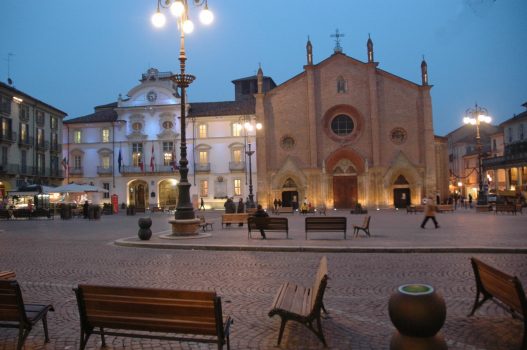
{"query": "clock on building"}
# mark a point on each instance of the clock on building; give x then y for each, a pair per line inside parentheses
(151, 96)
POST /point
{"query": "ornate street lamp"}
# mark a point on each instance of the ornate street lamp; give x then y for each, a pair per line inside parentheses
(180, 9)
(248, 125)
(476, 116)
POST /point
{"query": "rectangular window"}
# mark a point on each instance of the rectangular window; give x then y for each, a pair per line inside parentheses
(77, 136)
(137, 154)
(168, 153)
(23, 112)
(6, 129)
(53, 122)
(202, 131)
(105, 161)
(40, 118)
(54, 163)
(54, 141)
(77, 162)
(203, 188)
(40, 137)
(24, 137)
(41, 165)
(105, 135)
(23, 162)
(237, 187)
(4, 155)
(521, 132)
(5, 104)
(510, 135)
(203, 157)
(106, 186)
(237, 155)
(236, 129)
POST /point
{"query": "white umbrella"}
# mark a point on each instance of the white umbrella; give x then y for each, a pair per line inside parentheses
(76, 188)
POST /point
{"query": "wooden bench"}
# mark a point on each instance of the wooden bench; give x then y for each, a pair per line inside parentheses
(364, 227)
(251, 211)
(15, 314)
(194, 316)
(204, 224)
(443, 208)
(507, 208)
(503, 289)
(301, 304)
(237, 218)
(6, 275)
(284, 210)
(324, 224)
(268, 224)
(414, 209)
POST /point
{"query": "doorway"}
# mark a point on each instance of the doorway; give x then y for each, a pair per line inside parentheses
(138, 191)
(288, 197)
(401, 197)
(344, 191)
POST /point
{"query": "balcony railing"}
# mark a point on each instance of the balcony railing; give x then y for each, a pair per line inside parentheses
(26, 141)
(8, 137)
(76, 171)
(236, 166)
(26, 170)
(55, 148)
(56, 173)
(9, 168)
(42, 146)
(101, 170)
(202, 167)
(158, 169)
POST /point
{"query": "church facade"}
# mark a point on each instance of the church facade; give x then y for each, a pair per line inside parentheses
(343, 132)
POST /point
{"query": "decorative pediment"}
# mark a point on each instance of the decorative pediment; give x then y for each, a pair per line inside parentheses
(289, 173)
(167, 135)
(402, 171)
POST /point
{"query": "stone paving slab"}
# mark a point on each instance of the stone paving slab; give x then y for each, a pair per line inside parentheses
(51, 257)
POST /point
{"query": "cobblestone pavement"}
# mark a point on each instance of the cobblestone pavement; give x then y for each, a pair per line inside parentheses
(51, 257)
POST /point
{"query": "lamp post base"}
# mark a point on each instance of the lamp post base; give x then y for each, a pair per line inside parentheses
(188, 227)
(482, 198)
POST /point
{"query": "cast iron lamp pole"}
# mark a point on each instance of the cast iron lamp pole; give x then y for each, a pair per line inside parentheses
(179, 8)
(476, 116)
(248, 126)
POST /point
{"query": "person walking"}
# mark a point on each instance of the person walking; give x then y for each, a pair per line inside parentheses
(430, 213)
(470, 200)
(240, 209)
(275, 204)
(260, 213)
(202, 204)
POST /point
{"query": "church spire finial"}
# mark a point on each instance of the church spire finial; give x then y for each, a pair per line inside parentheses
(259, 78)
(309, 49)
(424, 71)
(369, 45)
(337, 36)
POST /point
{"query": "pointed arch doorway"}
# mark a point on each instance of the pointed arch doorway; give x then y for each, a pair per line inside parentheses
(345, 188)
(289, 193)
(401, 193)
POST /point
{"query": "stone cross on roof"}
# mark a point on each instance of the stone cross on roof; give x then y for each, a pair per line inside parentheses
(337, 35)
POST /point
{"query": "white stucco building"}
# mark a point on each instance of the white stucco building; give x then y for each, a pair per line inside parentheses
(132, 147)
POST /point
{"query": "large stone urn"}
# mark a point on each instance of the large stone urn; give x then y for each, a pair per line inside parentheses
(418, 313)
(144, 232)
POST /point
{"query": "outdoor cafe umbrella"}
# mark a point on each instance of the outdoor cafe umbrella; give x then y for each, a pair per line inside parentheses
(76, 188)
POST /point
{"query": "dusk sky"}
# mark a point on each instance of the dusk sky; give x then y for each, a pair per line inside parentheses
(75, 55)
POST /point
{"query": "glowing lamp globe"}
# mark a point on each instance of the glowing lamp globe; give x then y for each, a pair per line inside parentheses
(206, 16)
(158, 19)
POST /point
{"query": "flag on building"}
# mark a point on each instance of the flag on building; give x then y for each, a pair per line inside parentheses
(65, 164)
(141, 165)
(152, 159)
(120, 159)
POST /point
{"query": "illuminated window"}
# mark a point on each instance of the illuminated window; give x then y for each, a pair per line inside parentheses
(105, 133)
(203, 157)
(54, 123)
(203, 188)
(237, 155)
(24, 137)
(77, 162)
(137, 154)
(236, 129)
(106, 186)
(237, 187)
(168, 153)
(40, 137)
(105, 161)
(77, 136)
(202, 131)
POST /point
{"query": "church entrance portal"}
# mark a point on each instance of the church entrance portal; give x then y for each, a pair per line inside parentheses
(344, 191)
(288, 197)
(401, 197)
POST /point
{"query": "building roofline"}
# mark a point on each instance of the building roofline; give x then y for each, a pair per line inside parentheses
(16, 91)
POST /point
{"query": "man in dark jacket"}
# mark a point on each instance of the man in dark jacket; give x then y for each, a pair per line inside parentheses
(260, 213)
(240, 209)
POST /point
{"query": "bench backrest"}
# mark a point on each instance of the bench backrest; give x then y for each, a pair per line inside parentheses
(234, 216)
(11, 302)
(268, 223)
(319, 287)
(160, 310)
(366, 223)
(326, 223)
(502, 286)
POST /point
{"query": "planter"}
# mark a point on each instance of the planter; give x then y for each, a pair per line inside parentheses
(144, 232)
(418, 313)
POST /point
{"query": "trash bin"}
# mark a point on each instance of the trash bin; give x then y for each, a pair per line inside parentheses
(65, 212)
